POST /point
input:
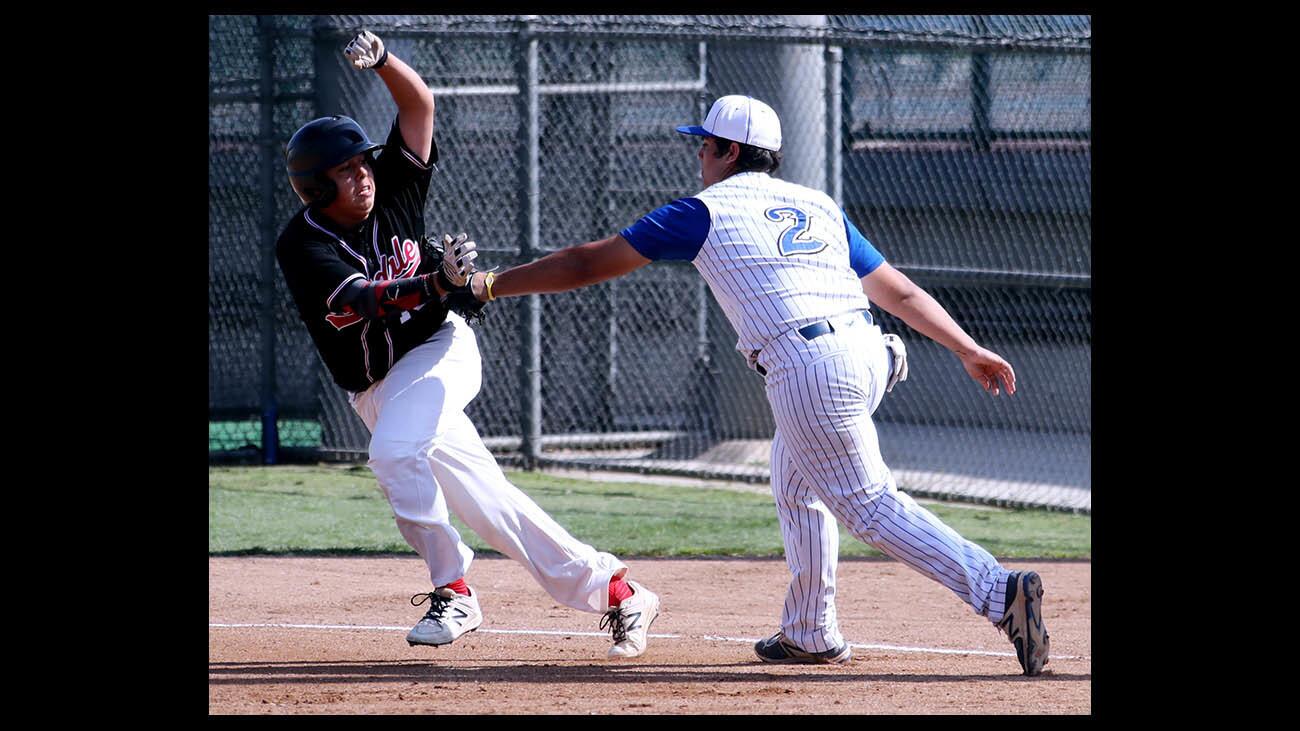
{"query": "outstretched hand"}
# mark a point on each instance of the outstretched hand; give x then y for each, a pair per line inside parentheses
(989, 370)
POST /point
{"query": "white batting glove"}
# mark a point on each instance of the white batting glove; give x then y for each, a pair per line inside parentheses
(899, 374)
(458, 258)
(366, 51)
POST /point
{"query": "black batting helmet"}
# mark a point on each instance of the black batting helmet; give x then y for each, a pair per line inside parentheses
(318, 146)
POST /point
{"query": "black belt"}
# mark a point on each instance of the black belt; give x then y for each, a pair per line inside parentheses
(816, 330)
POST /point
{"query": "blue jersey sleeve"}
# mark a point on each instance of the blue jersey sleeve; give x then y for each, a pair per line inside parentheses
(675, 231)
(862, 255)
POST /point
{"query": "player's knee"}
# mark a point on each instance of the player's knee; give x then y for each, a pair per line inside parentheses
(856, 508)
(389, 456)
(411, 512)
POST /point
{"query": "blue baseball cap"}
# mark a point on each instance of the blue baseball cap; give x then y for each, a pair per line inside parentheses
(741, 119)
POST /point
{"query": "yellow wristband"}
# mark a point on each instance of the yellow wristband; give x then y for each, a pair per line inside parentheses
(487, 281)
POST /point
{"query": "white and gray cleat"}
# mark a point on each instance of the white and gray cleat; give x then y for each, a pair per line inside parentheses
(630, 621)
(450, 615)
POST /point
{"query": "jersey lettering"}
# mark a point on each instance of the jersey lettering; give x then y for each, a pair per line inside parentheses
(794, 240)
(403, 262)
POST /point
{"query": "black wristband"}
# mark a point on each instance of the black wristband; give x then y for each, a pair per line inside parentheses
(445, 283)
(382, 60)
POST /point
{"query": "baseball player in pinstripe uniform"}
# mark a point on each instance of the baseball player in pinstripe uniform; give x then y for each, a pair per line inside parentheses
(373, 300)
(795, 278)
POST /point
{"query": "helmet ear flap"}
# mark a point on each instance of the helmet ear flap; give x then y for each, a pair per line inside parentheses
(316, 191)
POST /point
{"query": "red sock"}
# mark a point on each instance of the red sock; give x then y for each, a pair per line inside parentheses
(459, 586)
(618, 591)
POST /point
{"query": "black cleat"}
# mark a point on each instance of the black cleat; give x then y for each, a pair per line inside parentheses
(778, 649)
(1023, 621)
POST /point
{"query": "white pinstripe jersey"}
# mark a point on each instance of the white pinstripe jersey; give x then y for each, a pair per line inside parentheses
(776, 257)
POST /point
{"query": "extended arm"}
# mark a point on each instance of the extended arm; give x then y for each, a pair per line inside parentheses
(571, 268)
(899, 296)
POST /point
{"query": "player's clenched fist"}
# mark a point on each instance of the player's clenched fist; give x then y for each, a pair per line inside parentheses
(366, 51)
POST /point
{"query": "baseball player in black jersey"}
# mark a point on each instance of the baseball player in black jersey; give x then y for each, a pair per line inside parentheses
(372, 297)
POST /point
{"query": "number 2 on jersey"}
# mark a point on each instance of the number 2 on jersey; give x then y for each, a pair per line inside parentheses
(794, 240)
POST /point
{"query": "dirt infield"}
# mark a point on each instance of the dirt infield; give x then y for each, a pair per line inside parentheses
(533, 655)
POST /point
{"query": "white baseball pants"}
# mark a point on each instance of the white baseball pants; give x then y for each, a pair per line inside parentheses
(826, 464)
(429, 459)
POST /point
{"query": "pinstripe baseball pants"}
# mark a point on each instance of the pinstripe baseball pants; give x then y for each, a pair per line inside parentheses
(826, 464)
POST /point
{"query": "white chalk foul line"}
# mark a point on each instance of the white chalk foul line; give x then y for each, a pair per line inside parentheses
(713, 638)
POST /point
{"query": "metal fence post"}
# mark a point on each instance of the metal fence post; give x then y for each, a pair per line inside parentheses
(981, 100)
(834, 124)
(530, 367)
(603, 127)
(795, 96)
(327, 85)
(266, 137)
(704, 370)
(339, 427)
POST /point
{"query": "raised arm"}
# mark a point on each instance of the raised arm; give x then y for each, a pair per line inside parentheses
(901, 297)
(410, 93)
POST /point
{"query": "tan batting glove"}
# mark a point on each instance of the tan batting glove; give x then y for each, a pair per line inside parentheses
(366, 51)
(458, 257)
(899, 372)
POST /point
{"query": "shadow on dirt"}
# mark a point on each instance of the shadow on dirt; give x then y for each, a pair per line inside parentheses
(513, 671)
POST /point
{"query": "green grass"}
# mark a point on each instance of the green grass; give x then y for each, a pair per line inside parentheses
(327, 509)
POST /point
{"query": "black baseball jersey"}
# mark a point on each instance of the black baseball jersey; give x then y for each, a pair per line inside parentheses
(318, 257)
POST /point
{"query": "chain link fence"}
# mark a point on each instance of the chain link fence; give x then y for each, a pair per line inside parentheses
(959, 145)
